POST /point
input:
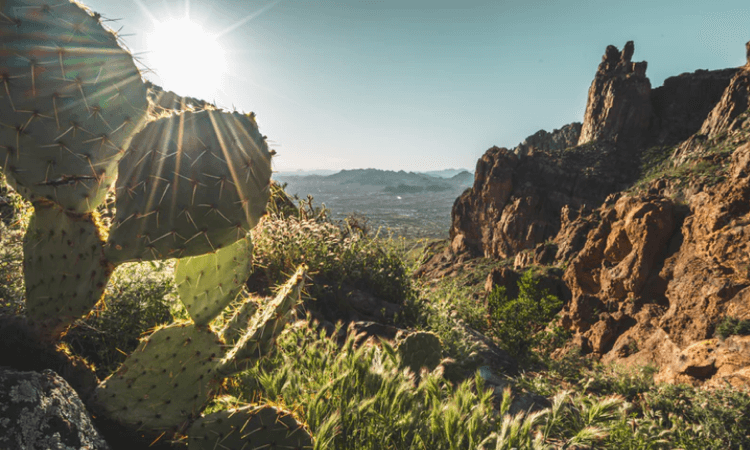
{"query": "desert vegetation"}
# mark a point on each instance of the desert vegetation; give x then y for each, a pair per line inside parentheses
(354, 393)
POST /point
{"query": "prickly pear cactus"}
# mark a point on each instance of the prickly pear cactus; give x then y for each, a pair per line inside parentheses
(250, 428)
(420, 349)
(170, 378)
(190, 184)
(208, 283)
(74, 123)
(267, 323)
(71, 100)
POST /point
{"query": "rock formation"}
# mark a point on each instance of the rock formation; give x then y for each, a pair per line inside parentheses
(619, 103)
(653, 281)
(516, 200)
(650, 269)
(550, 143)
(734, 101)
(682, 103)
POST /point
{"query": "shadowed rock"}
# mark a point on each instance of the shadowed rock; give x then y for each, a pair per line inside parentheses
(40, 411)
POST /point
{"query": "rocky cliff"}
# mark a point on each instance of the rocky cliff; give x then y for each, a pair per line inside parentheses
(645, 211)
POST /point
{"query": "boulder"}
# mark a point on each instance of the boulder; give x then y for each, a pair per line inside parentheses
(40, 411)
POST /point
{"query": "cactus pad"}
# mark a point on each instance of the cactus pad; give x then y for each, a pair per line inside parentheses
(165, 382)
(266, 325)
(251, 428)
(239, 321)
(190, 184)
(64, 267)
(70, 101)
(208, 283)
(420, 349)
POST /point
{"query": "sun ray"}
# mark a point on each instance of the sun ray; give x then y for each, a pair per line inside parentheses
(248, 18)
(148, 13)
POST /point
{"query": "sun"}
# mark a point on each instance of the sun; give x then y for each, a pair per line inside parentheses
(186, 58)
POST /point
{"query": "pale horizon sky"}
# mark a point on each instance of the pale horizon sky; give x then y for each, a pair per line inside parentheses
(417, 84)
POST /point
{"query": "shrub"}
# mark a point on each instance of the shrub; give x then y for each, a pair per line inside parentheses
(520, 323)
(699, 418)
(338, 260)
(732, 326)
(438, 308)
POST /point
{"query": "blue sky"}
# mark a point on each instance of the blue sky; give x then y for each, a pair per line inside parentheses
(420, 84)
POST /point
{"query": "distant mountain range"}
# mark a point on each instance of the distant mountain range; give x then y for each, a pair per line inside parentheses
(445, 173)
(406, 203)
(400, 182)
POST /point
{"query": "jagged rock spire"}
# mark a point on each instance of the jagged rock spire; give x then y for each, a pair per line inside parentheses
(619, 105)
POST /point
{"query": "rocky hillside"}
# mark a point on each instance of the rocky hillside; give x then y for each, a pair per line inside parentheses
(644, 211)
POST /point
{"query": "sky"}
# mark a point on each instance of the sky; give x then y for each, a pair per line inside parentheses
(412, 84)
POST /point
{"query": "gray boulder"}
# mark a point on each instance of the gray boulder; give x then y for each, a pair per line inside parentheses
(40, 411)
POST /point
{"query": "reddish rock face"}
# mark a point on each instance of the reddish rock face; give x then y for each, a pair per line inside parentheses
(619, 102)
(649, 274)
(647, 289)
(516, 201)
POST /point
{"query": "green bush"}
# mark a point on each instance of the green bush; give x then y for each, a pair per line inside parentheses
(698, 418)
(339, 258)
(519, 323)
(732, 326)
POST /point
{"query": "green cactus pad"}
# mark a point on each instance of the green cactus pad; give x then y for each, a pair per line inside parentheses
(208, 283)
(420, 349)
(251, 428)
(64, 267)
(266, 325)
(165, 382)
(237, 325)
(71, 99)
(190, 184)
